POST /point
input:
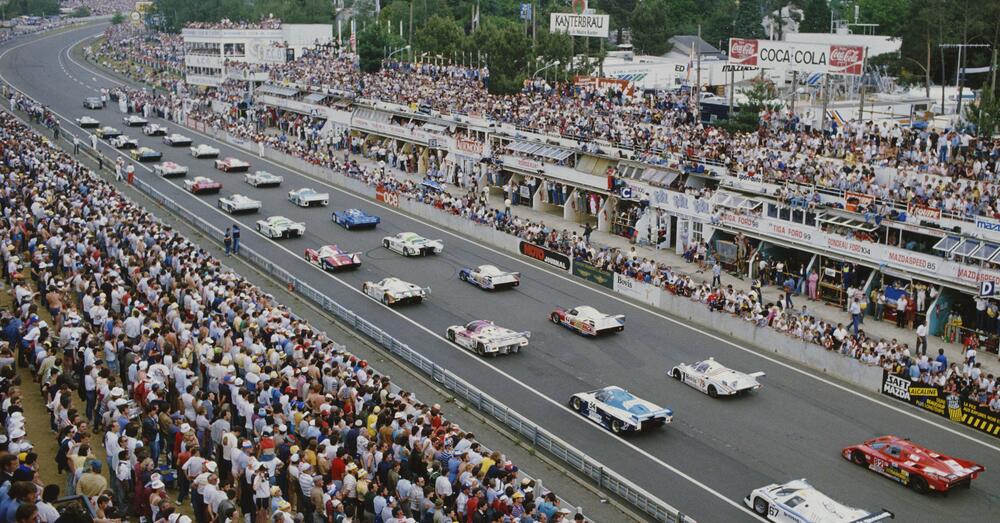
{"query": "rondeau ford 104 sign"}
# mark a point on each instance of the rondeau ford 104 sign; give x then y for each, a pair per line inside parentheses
(820, 58)
(579, 24)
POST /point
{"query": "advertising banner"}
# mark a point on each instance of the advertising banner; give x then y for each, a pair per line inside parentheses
(923, 212)
(580, 25)
(386, 196)
(537, 252)
(945, 404)
(637, 290)
(593, 274)
(820, 58)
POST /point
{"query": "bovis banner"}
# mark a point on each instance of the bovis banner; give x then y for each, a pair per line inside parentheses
(946, 404)
(537, 252)
(819, 58)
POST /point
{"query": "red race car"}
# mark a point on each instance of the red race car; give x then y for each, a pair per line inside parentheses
(332, 258)
(920, 468)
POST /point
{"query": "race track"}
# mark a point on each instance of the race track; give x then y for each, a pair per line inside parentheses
(704, 463)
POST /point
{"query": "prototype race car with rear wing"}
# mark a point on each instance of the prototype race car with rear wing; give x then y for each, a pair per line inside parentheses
(170, 170)
(912, 465)
(799, 502)
(124, 142)
(333, 258)
(86, 122)
(307, 197)
(134, 120)
(232, 165)
(154, 129)
(204, 151)
(107, 132)
(588, 320)
(715, 379)
(619, 410)
(280, 227)
(394, 291)
(238, 203)
(146, 154)
(263, 179)
(412, 244)
(489, 277)
(351, 219)
(486, 338)
(202, 185)
(176, 140)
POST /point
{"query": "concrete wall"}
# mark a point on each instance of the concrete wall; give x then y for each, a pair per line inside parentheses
(811, 355)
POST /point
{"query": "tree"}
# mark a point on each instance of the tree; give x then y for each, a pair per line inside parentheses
(440, 36)
(985, 114)
(749, 15)
(504, 46)
(620, 12)
(816, 16)
(374, 43)
(654, 22)
(117, 18)
(760, 98)
(80, 12)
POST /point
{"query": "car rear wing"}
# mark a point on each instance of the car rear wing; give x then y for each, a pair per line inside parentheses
(757, 374)
(510, 337)
(882, 515)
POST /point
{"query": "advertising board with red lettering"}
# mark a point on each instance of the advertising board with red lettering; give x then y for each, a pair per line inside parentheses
(796, 56)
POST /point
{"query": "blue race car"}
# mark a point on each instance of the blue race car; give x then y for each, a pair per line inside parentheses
(355, 219)
(619, 410)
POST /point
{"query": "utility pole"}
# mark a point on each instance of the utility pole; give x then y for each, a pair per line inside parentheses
(993, 69)
(697, 81)
(732, 91)
(795, 81)
(861, 91)
(409, 40)
(826, 102)
(959, 71)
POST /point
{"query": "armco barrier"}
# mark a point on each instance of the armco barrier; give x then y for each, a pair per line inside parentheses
(538, 436)
(832, 363)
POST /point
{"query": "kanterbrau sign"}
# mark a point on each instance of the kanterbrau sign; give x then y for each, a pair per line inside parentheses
(579, 25)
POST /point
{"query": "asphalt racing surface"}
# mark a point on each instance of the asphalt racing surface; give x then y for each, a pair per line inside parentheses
(704, 463)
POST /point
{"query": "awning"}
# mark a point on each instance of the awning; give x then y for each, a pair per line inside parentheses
(277, 90)
(555, 154)
(315, 98)
(968, 247)
(630, 171)
(658, 177)
(850, 223)
(947, 244)
(434, 128)
(734, 201)
(988, 251)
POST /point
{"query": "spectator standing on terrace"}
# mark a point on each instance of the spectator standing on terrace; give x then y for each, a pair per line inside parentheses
(921, 347)
(236, 238)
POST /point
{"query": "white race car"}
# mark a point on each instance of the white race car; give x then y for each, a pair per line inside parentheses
(232, 165)
(204, 151)
(619, 410)
(134, 120)
(86, 122)
(170, 169)
(394, 291)
(588, 320)
(306, 197)
(263, 179)
(489, 277)
(715, 379)
(238, 203)
(154, 129)
(124, 142)
(485, 338)
(176, 140)
(798, 501)
(280, 227)
(412, 244)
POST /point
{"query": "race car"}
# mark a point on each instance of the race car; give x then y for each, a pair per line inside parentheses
(394, 291)
(489, 277)
(154, 129)
(485, 338)
(202, 185)
(280, 227)
(238, 203)
(134, 120)
(170, 170)
(204, 151)
(588, 320)
(715, 379)
(333, 258)
(355, 219)
(263, 179)
(798, 501)
(619, 410)
(86, 122)
(412, 244)
(92, 102)
(231, 165)
(124, 142)
(307, 197)
(107, 132)
(917, 467)
(176, 140)
(146, 154)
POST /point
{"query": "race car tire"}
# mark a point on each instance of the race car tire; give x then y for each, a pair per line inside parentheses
(407, 251)
(462, 276)
(576, 404)
(385, 243)
(859, 458)
(258, 228)
(713, 392)
(760, 506)
(919, 485)
(480, 348)
(677, 374)
(326, 266)
(451, 335)
(385, 299)
(555, 318)
(616, 426)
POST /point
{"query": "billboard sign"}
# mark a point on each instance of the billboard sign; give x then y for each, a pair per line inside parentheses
(580, 25)
(821, 58)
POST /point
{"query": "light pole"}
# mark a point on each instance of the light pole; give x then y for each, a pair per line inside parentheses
(553, 64)
(404, 48)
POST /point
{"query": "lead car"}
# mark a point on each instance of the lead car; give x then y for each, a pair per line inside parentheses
(619, 410)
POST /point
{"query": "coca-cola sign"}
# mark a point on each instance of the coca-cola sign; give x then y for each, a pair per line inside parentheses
(847, 59)
(742, 51)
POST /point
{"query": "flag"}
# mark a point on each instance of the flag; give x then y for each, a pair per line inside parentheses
(687, 77)
(354, 37)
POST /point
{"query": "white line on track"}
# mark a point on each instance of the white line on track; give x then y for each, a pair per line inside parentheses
(655, 313)
(737, 504)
